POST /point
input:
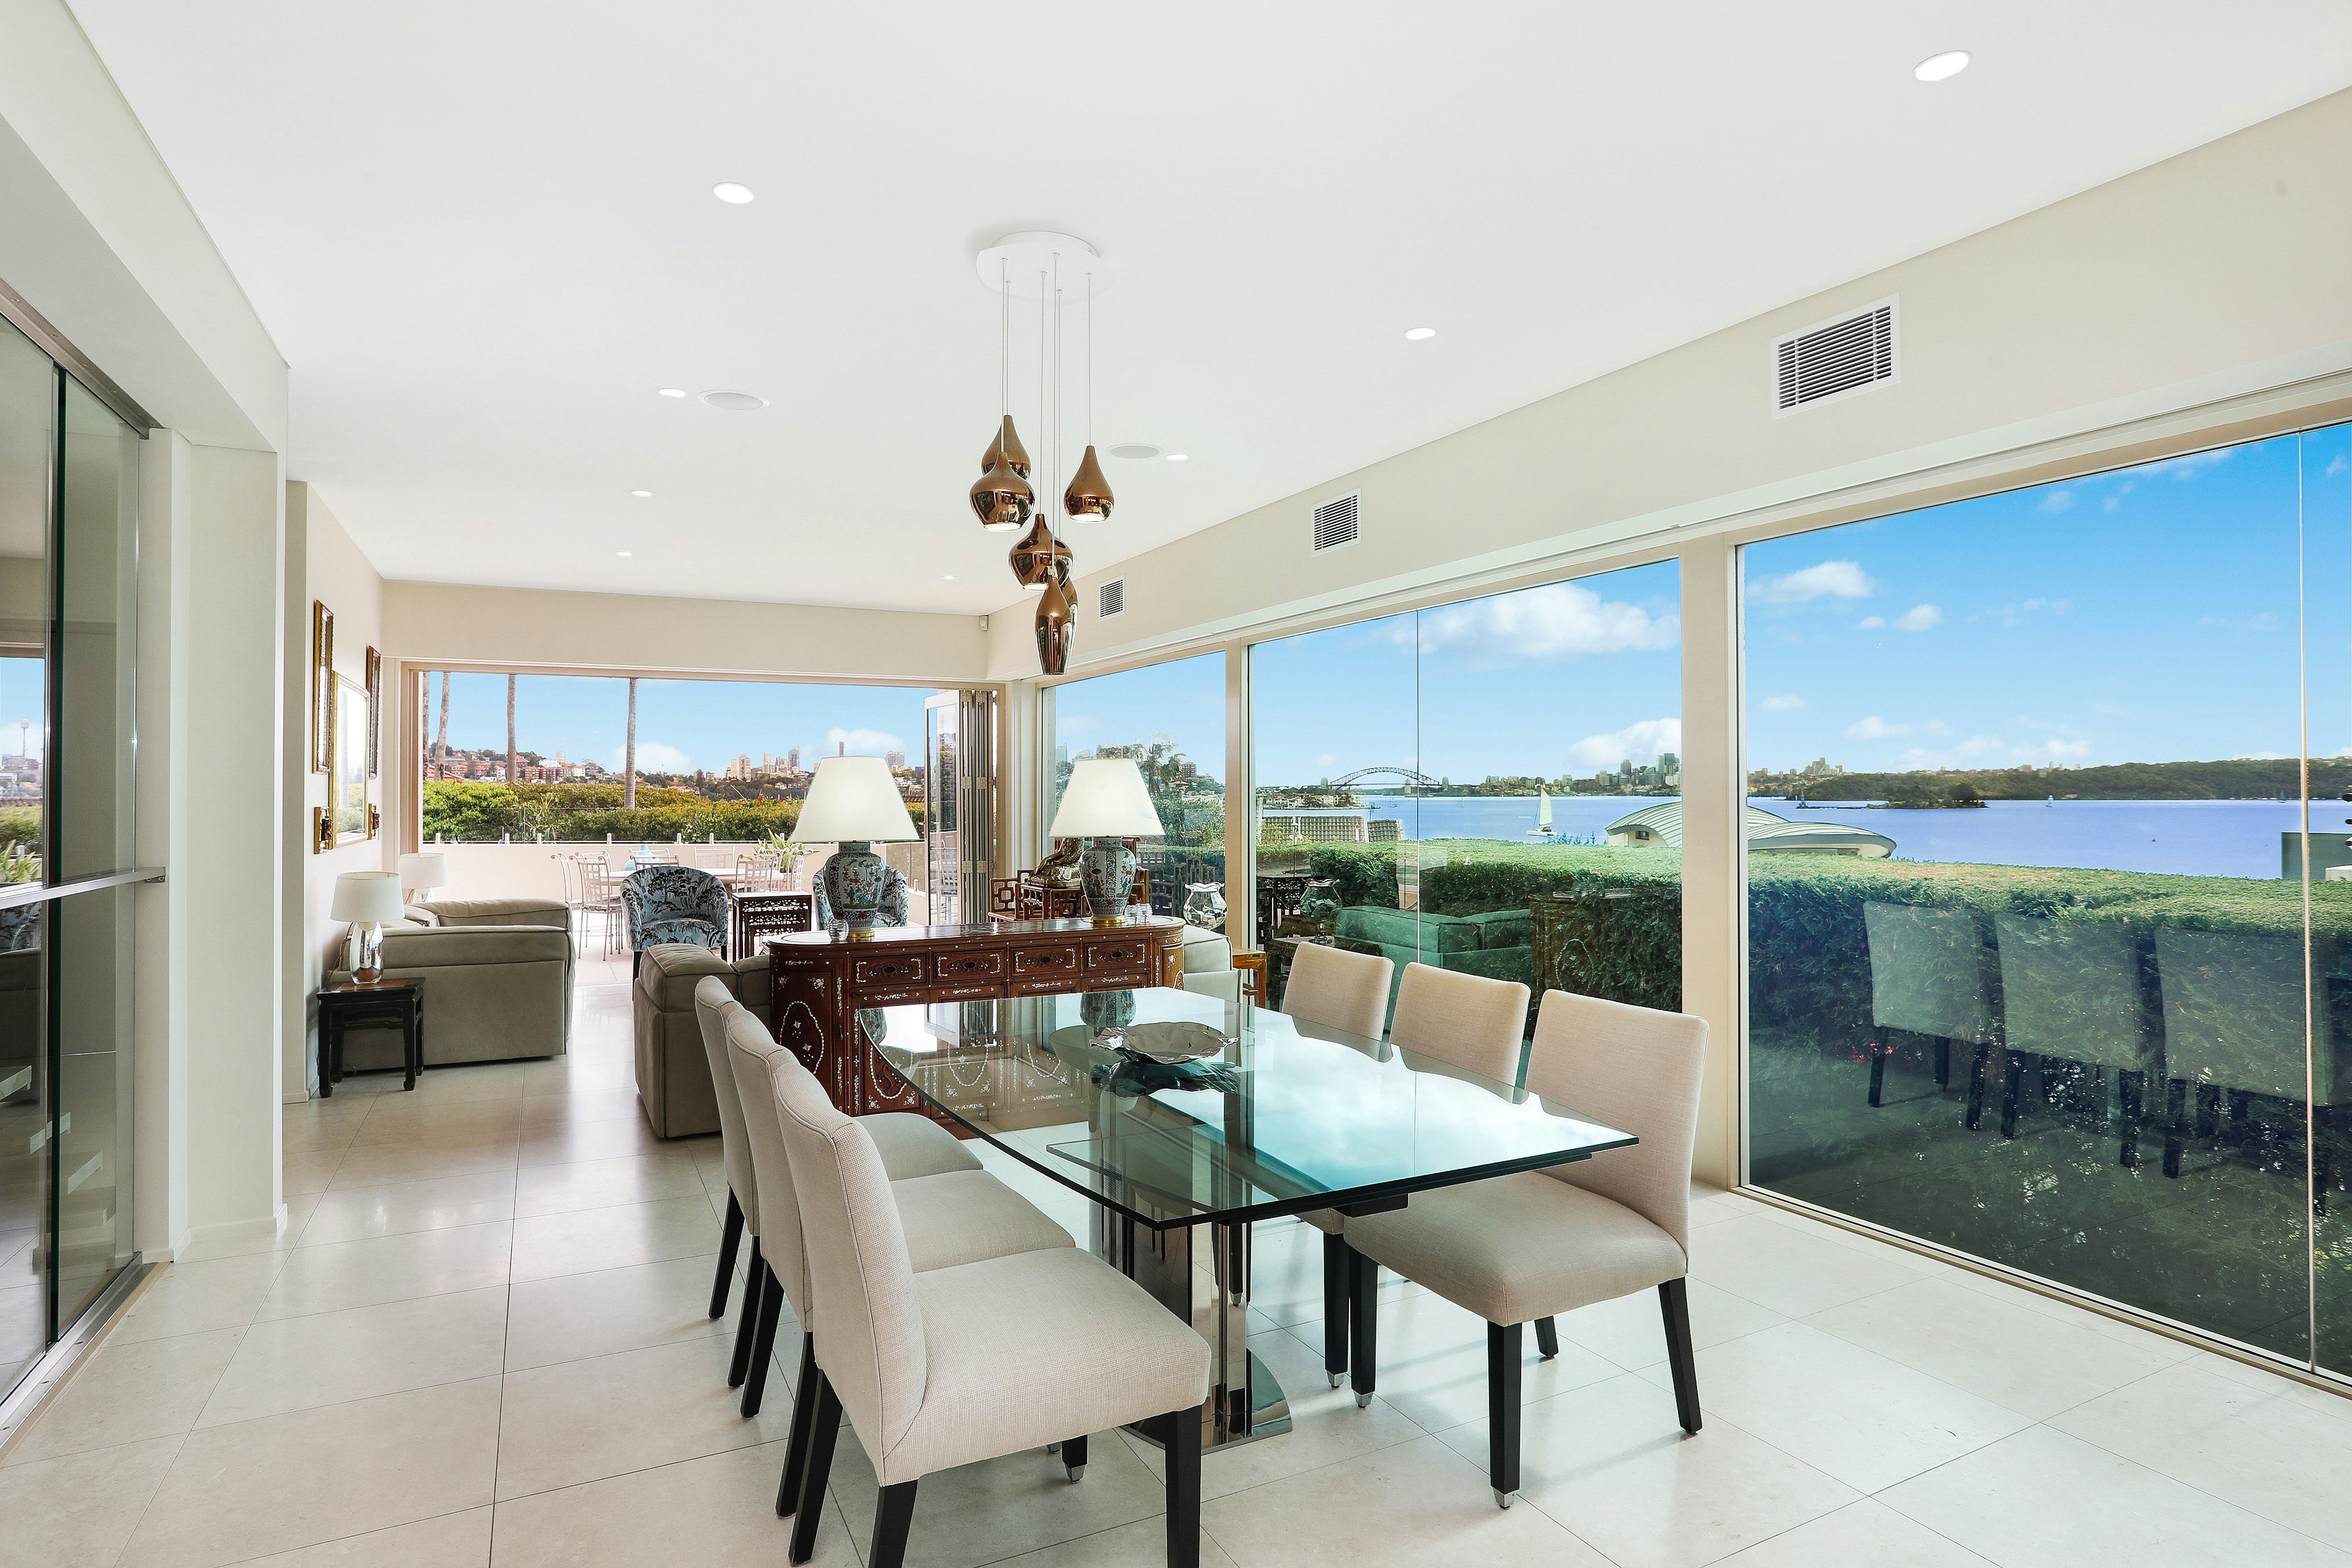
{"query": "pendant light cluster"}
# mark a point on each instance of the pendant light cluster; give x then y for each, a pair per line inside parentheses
(1048, 267)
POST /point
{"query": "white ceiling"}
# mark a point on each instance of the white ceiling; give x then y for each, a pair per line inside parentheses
(483, 235)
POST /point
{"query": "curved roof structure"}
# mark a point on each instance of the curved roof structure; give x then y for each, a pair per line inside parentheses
(1664, 824)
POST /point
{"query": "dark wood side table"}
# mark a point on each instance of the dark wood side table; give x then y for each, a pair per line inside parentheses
(384, 1004)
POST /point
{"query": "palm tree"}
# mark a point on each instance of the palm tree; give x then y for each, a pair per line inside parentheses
(441, 732)
(629, 788)
(511, 730)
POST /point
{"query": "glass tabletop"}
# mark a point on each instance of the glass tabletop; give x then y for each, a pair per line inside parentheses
(1286, 1116)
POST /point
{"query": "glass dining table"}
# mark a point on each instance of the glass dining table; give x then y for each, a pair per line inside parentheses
(1273, 1117)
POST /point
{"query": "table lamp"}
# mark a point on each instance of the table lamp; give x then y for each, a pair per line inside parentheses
(370, 900)
(853, 802)
(1105, 802)
(423, 873)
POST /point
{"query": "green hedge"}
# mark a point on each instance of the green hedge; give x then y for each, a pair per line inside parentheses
(480, 813)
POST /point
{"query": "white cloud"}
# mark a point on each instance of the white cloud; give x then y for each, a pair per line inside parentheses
(1560, 620)
(2336, 467)
(2011, 614)
(1787, 703)
(1871, 624)
(1991, 750)
(1874, 728)
(1641, 742)
(653, 757)
(2057, 501)
(2112, 503)
(1918, 618)
(861, 743)
(1832, 579)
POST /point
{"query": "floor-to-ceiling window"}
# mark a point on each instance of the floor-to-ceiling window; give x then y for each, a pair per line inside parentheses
(69, 507)
(1171, 717)
(1491, 786)
(2038, 968)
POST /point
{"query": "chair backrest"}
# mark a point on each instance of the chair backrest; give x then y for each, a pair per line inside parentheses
(661, 892)
(1633, 1068)
(750, 1053)
(570, 873)
(1928, 971)
(1339, 989)
(1474, 1023)
(868, 1322)
(712, 1000)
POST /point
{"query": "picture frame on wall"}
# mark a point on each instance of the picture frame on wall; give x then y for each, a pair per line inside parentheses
(322, 687)
(354, 821)
(375, 714)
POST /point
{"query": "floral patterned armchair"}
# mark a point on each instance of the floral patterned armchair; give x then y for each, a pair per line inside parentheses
(891, 911)
(674, 903)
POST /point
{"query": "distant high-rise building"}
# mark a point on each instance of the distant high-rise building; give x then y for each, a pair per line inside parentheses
(793, 758)
(740, 768)
(1669, 764)
(897, 760)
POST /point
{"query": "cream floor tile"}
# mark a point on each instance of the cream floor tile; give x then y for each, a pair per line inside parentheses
(404, 1119)
(1793, 1270)
(399, 1208)
(2327, 1401)
(78, 1512)
(2043, 1499)
(1865, 1420)
(582, 1104)
(252, 1489)
(323, 1124)
(326, 1358)
(452, 1540)
(470, 1080)
(1839, 1235)
(2150, 1341)
(581, 1421)
(1325, 1426)
(1861, 1533)
(382, 1268)
(1418, 1503)
(618, 1139)
(587, 1240)
(382, 1164)
(299, 1207)
(1631, 1331)
(575, 1316)
(1994, 1348)
(717, 1510)
(1143, 1544)
(1613, 1463)
(190, 1298)
(1022, 1502)
(2251, 1443)
(311, 1170)
(1432, 1364)
(605, 1183)
(131, 1391)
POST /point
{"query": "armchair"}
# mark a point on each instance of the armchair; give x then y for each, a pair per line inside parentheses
(674, 904)
(498, 982)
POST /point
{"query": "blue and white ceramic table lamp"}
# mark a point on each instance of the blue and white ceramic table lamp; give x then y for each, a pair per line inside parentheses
(853, 802)
(1104, 804)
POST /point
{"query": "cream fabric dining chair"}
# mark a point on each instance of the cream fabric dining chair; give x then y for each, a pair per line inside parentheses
(1525, 1247)
(1467, 1020)
(919, 1360)
(1339, 989)
(913, 1146)
(950, 1213)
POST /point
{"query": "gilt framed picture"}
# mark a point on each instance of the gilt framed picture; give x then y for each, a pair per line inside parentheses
(374, 712)
(322, 687)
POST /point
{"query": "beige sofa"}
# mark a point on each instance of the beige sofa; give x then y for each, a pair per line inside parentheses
(673, 1068)
(497, 982)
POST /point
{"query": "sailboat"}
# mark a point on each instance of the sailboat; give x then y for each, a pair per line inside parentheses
(1543, 827)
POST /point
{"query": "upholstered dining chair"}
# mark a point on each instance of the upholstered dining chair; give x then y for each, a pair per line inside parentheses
(673, 903)
(913, 1146)
(1469, 1021)
(918, 1360)
(1339, 989)
(949, 1211)
(1525, 1247)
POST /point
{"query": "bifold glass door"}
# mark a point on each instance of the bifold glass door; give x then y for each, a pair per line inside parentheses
(68, 507)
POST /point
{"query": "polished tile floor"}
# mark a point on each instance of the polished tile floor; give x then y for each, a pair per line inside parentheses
(481, 1340)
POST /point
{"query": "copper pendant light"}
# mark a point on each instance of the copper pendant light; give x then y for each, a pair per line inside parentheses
(1056, 628)
(1007, 444)
(1001, 498)
(1088, 499)
(1039, 556)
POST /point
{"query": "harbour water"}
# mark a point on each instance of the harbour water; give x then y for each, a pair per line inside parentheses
(2191, 838)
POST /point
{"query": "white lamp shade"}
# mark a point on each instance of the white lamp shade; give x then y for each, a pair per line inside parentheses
(419, 873)
(852, 799)
(368, 898)
(1106, 799)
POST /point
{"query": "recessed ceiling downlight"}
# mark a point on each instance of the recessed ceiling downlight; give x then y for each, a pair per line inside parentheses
(1179, 457)
(1943, 66)
(735, 401)
(1419, 334)
(1135, 450)
(622, 554)
(673, 392)
(729, 191)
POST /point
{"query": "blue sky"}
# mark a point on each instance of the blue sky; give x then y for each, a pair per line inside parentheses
(682, 725)
(1182, 700)
(2144, 615)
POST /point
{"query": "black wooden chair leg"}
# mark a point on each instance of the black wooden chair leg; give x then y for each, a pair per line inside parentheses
(894, 1514)
(1074, 1457)
(1503, 1411)
(824, 1426)
(1942, 1062)
(2131, 1086)
(1364, 1324)
(1878, 1073)
(1674, 1305)
(730, 1236)
(1179, 1433)
(2012, 1081)
(1335, 1308)
(1547, 1337)
(1976, 1086)
(763, 1343)
(746, 1326)
(796, 1452)
(2176, 1106)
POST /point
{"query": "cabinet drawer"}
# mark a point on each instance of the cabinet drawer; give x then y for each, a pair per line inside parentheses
(888, 998)
(963, 992)
(1102, 955)
(1043, 986)
(967, 968)
(1043, 962)
(897, 969)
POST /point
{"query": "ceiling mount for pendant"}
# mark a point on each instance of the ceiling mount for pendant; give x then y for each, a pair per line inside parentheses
(1017, 261)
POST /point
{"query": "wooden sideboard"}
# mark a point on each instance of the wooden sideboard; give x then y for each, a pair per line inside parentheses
(822, 980)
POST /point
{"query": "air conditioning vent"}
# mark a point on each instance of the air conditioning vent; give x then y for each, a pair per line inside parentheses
(1335, 524)
(1834, 359)
(1111, 597)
